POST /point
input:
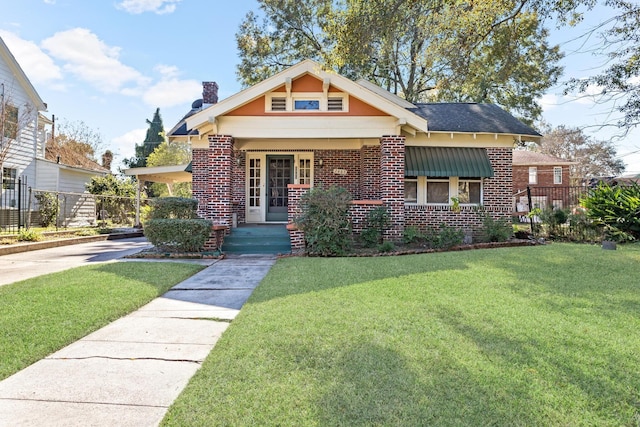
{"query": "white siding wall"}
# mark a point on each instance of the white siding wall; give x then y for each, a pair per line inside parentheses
(23, 150)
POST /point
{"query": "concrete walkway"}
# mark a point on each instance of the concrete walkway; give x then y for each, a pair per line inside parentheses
(129, 372)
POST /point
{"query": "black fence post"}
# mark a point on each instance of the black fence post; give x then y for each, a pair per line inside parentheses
(530, 209)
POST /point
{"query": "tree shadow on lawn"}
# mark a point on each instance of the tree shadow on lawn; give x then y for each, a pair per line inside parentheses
(378, 386)
(554, 377)
(294, 276)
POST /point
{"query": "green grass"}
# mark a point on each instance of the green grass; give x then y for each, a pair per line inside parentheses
(544, 335)
(41, 315)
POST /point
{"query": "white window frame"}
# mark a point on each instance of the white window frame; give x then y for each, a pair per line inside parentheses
(453, 190)
(427, 181)
(9, 182)
(479, 181)
(533, 175)
(557, 175)
(417, 181)
(322, 98)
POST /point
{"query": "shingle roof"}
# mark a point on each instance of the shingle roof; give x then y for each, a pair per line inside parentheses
(525, 157)
(180, 129)
(472, 118)
(66, 156)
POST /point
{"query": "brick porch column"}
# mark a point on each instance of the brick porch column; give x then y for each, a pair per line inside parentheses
(392, 182)
(219, 186)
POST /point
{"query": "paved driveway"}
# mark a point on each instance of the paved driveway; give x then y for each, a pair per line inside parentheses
(25, 265)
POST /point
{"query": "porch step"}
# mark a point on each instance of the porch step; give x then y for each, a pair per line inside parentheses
(258, 239)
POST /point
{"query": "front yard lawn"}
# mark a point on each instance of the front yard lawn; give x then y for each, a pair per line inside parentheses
(544, 335)
(42, 315)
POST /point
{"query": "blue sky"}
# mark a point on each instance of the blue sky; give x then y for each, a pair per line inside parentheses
(110, 63)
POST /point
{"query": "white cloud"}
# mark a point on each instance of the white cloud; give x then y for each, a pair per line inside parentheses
(140, 6)
(37, 65)
(92, 60)
(172, 92)
(549, 101)
(124, 146)
(49, 1)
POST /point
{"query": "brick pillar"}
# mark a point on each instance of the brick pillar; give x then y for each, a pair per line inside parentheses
(200, 180)
(295, 193)
(219, 187)
(392, 182)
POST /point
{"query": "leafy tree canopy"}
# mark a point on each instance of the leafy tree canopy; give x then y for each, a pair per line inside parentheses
(110, 185)
(422, 50)
(166, 154)
(79, 137)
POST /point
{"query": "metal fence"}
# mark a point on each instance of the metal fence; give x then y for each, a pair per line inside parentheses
(25, 207)
(548, 197)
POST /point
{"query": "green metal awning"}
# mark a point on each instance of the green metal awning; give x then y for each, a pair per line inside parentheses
(447, 161)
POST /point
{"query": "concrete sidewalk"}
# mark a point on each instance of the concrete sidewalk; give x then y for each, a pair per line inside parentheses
(129, 372)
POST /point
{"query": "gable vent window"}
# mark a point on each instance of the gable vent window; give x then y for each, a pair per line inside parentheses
(334, 104)
(278, 104)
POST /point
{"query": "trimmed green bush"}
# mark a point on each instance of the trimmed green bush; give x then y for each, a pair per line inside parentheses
(173, 207)
(178, 235)
(325, 221)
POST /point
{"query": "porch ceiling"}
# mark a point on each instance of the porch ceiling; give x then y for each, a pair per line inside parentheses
(166, 174)
(447, 161)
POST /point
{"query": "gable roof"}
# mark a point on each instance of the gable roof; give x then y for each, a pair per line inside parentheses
(472, 118)
(526, 157)
(21, 77)
(384, 104)
(66, 156)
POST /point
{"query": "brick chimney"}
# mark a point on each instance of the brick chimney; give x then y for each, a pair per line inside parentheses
(209, 92)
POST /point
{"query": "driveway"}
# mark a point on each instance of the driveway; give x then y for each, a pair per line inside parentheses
(25, 265)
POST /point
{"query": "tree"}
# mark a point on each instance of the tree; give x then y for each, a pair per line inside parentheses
(166, 154)
(423, 50)
(595, 158)
(116, 196)
(79, 137)
(619, 82)
(155, 136)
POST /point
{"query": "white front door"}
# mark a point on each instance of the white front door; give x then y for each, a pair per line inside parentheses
(267, 176)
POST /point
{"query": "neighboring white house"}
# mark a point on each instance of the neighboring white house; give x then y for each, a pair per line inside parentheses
(24, 154)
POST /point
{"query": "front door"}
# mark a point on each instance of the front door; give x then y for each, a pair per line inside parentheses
(279, 176)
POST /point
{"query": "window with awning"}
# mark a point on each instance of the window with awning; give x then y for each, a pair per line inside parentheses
(447, 162)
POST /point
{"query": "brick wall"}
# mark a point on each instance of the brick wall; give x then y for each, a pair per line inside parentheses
(369, 172)
(200, 180)
(348, 160)
(392, 183)
(497, 201)
(545, 177)
(219, 189)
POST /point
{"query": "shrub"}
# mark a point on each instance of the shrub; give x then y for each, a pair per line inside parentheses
(615, 209)
(411, 234)
(495, 230)
(173, 208)
(376, 222)
(386, 247)
(178, 235)
(29, 235)
(48, 208)
(554, 218)
(325, 221)
(448, 237)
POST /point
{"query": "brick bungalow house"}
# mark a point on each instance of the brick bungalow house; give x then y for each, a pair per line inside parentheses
(257, 152)
(547, 177)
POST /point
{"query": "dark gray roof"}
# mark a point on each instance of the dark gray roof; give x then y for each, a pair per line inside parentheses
(180, 129)
(471, 117)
